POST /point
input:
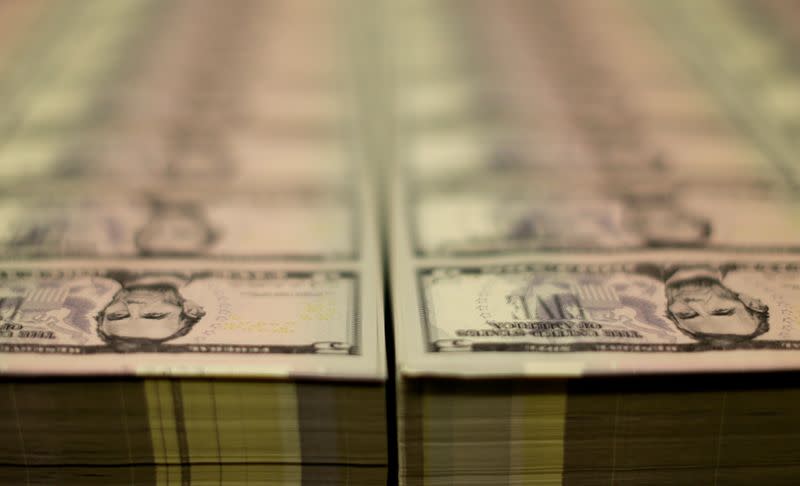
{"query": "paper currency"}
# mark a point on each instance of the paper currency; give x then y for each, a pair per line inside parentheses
(294, 226)
(189, 318)
(85, 312)
(610, 196)
(504, 226)
(759, 88)
(171, 141)
(484, 223)
(189, 261)
(617, 307)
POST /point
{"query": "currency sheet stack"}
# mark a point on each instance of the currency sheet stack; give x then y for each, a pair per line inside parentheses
(190, 288)
(594, 241)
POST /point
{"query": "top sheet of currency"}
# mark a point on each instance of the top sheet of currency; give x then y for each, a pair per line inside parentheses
(248, 320)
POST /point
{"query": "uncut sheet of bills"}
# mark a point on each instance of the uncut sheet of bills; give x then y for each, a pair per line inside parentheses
(594, 188)
(184, 193)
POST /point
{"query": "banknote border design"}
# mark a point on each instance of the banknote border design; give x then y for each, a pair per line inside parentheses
(463, 345)
(353, 326)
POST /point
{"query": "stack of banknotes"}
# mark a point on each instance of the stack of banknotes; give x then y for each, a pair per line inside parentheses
(190, 286)
(582, 192)
(589, 209)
